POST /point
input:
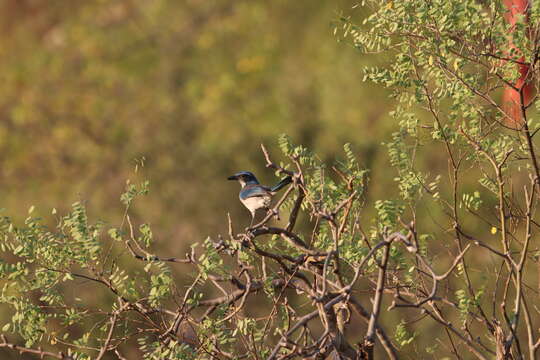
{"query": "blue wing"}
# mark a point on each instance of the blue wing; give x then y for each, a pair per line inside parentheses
(254, 191)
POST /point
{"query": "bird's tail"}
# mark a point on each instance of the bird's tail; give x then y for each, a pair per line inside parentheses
(281, 184)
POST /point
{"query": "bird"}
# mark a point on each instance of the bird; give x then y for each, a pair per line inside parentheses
(253, 195)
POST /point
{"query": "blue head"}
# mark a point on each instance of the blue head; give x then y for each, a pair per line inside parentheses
(244, 178)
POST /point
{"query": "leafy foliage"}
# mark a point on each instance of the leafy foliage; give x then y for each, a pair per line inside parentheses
(313, 284)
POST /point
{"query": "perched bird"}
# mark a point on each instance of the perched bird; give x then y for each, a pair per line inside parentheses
(253, 195)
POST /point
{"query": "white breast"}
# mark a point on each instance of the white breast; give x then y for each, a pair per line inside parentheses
(255, 203)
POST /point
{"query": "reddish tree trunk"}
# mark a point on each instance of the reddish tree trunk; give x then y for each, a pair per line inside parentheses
(512, 101)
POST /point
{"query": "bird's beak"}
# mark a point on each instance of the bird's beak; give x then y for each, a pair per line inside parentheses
(232, 177)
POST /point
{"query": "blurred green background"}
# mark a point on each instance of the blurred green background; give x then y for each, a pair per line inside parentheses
(90, 88)
(192, 86)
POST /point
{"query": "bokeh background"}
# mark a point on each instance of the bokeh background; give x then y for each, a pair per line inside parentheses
(91, 89)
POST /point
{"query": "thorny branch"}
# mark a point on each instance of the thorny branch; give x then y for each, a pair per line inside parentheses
(330, 285)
